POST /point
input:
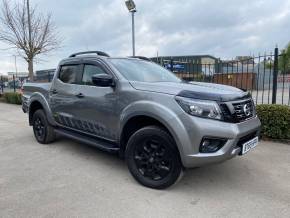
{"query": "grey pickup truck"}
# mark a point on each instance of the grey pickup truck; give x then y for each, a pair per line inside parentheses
(160, 124)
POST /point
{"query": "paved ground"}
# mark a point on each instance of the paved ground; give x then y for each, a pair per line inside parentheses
(68, 179)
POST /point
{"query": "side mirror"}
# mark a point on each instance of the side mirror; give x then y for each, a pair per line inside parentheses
(103, 80)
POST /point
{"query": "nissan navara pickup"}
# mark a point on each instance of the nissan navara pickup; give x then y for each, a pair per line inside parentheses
(159, 123)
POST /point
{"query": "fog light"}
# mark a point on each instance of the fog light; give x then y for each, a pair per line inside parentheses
(211, 145)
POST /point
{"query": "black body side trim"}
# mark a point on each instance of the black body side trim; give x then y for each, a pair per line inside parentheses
(93, 141)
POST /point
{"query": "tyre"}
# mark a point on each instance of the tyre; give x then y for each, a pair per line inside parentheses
(152, 158)
(43, 131)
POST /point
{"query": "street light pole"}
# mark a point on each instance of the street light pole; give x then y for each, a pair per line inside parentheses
(15, 64)
(133, 32)
(132, 9)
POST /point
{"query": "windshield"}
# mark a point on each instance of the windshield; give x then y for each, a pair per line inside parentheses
(143, 71)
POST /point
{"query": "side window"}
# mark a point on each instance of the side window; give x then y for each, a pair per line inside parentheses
(68, 74)
(89, 71)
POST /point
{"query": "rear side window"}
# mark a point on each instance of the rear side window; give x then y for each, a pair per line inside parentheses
(89, 71)
(68, 74)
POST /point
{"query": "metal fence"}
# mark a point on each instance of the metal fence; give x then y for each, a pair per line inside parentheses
(266, 77)
(14, 82)
(10, 84)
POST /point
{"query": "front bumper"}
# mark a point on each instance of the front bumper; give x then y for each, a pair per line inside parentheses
(235, 133)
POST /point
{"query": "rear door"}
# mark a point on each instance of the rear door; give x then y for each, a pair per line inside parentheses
(64, 101)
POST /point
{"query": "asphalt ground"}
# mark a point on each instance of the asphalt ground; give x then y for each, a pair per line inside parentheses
(70, 179)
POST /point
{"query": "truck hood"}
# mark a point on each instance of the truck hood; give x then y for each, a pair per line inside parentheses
(197, 90)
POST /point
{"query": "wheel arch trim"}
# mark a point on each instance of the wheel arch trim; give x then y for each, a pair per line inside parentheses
(40, 98)
(160, 113)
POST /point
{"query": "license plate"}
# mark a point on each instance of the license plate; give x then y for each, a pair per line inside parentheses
(250, 145)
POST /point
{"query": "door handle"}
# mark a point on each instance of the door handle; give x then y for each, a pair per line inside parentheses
(54, 91)
(80, 95)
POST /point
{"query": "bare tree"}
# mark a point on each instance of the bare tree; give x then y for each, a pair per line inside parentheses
(29, 33)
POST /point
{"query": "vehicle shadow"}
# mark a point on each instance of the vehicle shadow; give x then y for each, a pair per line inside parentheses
(241, 177)
(228, 174)
(232, 174)
(89, 153)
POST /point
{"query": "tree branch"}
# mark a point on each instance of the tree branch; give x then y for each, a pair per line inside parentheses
(15, 31)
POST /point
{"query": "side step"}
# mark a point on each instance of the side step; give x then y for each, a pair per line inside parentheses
(93, 141)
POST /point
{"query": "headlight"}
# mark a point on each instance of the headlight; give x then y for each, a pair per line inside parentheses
(200, 108)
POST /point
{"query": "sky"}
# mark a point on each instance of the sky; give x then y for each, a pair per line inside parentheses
(222, 28)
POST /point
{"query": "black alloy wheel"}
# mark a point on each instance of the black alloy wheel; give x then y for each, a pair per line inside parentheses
(43, 131)
(39, 129)
(153, 158)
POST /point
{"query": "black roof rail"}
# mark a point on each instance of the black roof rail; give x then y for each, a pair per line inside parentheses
(100, 53)
(141, 57)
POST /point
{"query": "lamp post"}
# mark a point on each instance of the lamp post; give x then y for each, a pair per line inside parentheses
(15, 64)
(132, 9)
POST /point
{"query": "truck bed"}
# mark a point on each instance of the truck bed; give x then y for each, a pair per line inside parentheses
(33, 88)
(29, 88)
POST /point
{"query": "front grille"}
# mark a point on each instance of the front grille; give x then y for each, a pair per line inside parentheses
(244, 110)
(236, 112)
(227, 115)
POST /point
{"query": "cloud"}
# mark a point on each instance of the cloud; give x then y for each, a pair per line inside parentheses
(221, 28)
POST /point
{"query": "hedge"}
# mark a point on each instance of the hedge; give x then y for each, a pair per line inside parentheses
(275, 121)
(12, 97)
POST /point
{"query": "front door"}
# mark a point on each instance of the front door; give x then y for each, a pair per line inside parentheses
(96, 105)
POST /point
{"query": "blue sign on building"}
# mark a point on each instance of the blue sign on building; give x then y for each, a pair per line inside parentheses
(175, 66)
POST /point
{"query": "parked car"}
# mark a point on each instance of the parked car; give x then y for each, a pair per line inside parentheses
(159, 123)
(17, 84)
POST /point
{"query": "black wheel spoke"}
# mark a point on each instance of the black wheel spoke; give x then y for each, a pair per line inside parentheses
(39, 128)
(152, 159)
(146, 149)
(154, 144)
(156, 176)
(137, 157)
(165, 168)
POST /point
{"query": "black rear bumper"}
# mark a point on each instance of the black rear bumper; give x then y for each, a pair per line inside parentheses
(24, 105)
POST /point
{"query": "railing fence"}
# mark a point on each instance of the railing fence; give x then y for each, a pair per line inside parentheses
(266, 77)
